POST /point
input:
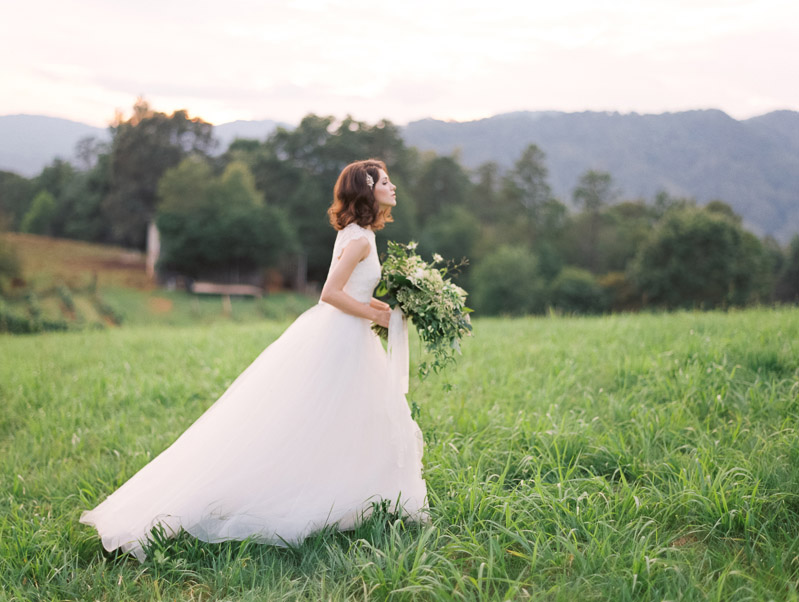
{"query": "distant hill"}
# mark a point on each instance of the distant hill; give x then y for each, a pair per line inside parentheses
(257, 130)
(753, 164)
(30, 142)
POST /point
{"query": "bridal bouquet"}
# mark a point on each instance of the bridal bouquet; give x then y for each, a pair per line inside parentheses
(435, 305)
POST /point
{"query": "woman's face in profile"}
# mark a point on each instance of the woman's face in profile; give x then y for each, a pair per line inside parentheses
(385, 191)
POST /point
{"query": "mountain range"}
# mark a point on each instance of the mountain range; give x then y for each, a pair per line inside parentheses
(751, 164)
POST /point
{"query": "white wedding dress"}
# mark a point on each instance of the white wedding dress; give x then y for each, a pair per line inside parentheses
(311, 434)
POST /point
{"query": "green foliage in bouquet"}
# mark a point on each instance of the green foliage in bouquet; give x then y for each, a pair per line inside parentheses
(435, 305)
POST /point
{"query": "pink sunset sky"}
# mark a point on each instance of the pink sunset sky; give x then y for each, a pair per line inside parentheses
(247, 59)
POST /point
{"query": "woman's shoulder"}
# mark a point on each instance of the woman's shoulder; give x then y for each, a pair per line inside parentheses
(353, 229)
(352, 232)
(355, 226)
(353, 235)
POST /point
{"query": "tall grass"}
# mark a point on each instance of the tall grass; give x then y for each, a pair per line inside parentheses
(648, 457)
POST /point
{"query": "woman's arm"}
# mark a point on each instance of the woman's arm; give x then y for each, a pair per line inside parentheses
(333, 291)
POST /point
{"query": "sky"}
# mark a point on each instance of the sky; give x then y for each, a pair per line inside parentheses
(224, 60)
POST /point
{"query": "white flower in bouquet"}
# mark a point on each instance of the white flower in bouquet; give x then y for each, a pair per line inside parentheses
(435, 305)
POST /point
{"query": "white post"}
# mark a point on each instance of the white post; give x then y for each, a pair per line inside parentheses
(153, 249)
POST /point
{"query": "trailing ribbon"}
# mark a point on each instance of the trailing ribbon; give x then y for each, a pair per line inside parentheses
(398, 355)
(398, 360)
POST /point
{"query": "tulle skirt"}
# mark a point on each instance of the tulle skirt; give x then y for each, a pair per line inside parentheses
(309, 435)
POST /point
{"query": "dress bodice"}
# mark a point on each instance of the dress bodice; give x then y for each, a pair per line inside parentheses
(366, 274)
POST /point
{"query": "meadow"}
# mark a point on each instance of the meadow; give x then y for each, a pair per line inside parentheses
(74, 285)
(627, 457)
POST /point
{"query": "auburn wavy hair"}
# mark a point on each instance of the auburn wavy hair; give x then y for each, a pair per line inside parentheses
(354, 200)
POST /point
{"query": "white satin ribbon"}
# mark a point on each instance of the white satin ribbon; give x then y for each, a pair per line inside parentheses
(398, 355)
(398, 360)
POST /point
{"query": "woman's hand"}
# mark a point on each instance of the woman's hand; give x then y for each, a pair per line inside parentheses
(378, 304)
(382, 316)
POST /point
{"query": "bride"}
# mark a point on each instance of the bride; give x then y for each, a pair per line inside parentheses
(312, 433)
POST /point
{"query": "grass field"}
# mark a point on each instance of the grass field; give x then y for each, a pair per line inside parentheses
(647, 457)
(179, 308)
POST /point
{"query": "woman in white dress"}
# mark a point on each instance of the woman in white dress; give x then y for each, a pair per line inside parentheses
(311, 434)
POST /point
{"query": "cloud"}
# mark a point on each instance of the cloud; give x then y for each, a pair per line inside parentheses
(247, 59)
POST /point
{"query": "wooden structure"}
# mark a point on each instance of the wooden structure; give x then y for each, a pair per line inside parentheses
(225, 291)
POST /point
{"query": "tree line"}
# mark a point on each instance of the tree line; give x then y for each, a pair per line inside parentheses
(263, 201)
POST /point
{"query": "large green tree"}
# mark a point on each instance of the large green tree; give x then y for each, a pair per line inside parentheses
(528, 214)
(625, 228)
(10, 266)
(484, 201)
(508, 281)
(41, 216)
(787, 285)
(594, 191)
(699, 258)
(453, 234)
(218, 225)
(296, 170)
(442, 182)
(80, 206)
(525, 186)
(142, 149)
(55, 179)
(16, 194)
(576, 291)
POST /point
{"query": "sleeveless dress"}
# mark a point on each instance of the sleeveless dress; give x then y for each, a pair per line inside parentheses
(311, 434)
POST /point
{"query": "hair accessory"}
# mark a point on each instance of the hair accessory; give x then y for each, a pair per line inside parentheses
(370, 181)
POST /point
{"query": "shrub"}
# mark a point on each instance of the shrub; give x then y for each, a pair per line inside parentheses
(507, 281)
(576, 291)
(34, 309)
(620, 293)
(10, 267)
(41, 215)
(699, 258)
(787, 286)
(453, 234)
(66, 298)
(17, 324)
(106, 310)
